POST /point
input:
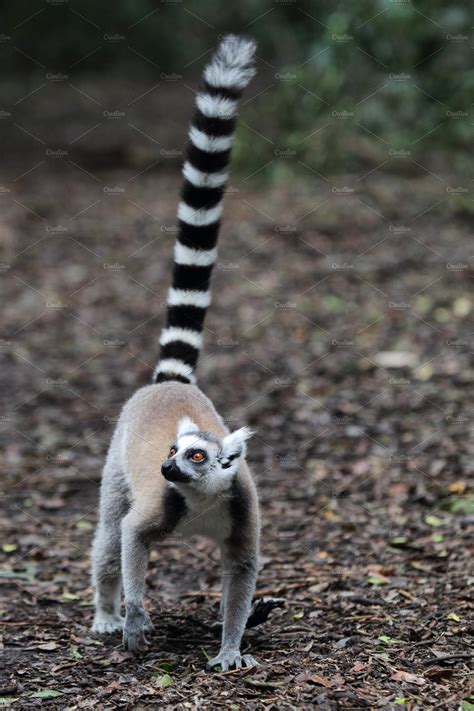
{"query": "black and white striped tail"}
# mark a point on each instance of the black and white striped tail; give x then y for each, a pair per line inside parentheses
(205, 175)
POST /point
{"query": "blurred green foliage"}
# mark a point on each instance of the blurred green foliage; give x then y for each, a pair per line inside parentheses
(392, 91)
(343, 86)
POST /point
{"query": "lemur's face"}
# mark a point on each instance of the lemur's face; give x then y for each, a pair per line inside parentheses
(202, 460)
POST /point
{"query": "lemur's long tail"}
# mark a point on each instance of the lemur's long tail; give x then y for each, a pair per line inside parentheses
(205, 175)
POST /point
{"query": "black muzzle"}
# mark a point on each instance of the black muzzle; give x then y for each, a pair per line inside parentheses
(172, 472)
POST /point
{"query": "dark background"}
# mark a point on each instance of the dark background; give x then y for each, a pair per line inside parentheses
(318, 63)
(341, 331)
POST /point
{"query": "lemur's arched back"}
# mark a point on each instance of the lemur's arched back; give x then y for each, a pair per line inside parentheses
(173, 466)
(205, 174)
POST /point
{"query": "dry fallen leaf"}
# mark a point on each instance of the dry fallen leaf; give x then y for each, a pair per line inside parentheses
(305, 678)
(359, 667)
(117, 656)
(408, 677)
(48, 646)
(457, 487)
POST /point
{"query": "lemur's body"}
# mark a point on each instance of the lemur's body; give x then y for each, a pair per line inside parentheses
(202, 485)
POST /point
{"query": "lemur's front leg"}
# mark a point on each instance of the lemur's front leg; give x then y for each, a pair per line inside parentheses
(239, 578)
(135, 551)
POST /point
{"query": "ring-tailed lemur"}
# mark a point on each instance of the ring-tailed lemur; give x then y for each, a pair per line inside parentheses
(172, 465)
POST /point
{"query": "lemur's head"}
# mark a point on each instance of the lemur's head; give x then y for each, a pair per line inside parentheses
(204, 461)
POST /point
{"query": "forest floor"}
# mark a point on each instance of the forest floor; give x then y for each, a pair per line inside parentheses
(339, 331)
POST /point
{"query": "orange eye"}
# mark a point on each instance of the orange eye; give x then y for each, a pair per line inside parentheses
(172, 452)
(197, 457)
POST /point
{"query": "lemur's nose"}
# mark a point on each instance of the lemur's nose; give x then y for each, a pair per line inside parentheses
(172, 472)
(167, 467)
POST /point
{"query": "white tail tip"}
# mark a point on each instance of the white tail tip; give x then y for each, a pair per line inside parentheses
(232, 66)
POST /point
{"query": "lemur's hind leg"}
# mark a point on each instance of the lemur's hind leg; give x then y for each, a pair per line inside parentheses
(106, 566)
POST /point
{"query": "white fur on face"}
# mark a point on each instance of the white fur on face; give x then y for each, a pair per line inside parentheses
(185, 426)
(192, 441)
(223, 456)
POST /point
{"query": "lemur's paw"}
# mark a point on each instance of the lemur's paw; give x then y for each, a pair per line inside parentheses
(106, 624)
(134, 639)
(232, 658)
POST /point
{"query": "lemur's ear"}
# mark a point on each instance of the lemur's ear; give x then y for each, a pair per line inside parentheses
(186, 426)
(234, 444)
